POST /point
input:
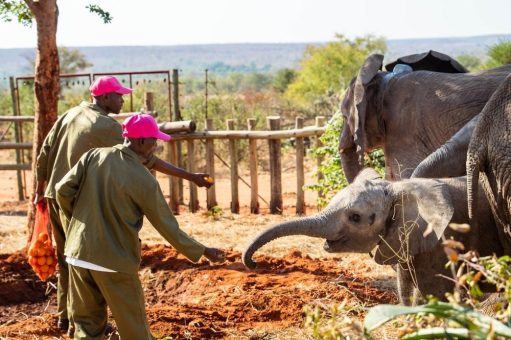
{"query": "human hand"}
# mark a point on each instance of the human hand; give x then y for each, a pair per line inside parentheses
(39, 192)
(214, 255)
(203, 180)
(38, 198)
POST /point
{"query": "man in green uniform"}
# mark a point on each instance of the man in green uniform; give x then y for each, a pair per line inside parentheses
(104, 197)
(78, 130)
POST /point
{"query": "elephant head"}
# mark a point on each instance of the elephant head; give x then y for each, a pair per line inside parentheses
(409, 114)
(369, 213)
(353, 108)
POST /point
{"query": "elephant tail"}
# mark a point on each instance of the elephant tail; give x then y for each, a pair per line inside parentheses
(473, 172)
(472, 186)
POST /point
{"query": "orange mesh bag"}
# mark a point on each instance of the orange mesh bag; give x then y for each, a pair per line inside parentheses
(41, 253)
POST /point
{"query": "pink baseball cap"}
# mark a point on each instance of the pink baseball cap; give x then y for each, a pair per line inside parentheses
(142, 126)
(107, 84)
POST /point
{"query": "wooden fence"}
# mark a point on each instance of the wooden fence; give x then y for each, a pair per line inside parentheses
(19, 145)
(184, 132)
(273, 136)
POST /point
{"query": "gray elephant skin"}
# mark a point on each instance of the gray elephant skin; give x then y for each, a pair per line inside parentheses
(450, 159)
(489, 157)
(408, 114)
(391, 218)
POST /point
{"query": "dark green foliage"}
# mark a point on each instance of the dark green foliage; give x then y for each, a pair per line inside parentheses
(500, 54)
(72, 60)
(16, 9)
(333, 176)
(283, 78)
(325, 71)
(471, 62)
(104, 15)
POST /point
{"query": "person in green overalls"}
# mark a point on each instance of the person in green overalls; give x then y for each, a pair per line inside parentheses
(77, 131)
(105, 197)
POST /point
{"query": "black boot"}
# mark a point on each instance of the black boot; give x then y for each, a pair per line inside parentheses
(63, 324)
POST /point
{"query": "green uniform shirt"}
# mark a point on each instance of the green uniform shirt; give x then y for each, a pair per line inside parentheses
(105, 196)
(80, 129)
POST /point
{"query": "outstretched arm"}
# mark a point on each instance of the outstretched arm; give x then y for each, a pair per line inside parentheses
(200, 179)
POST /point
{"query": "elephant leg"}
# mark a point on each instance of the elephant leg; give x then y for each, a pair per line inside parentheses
(407, 292)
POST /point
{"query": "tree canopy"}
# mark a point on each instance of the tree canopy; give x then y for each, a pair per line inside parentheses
(326, 70)
(20, 11)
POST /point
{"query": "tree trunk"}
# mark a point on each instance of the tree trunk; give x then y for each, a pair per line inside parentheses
(46, 84)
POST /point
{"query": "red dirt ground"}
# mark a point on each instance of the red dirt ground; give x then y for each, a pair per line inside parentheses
(187, 300)
(194, 301)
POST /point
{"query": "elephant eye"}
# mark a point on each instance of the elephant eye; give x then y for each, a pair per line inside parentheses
(354, 218)
(385, 192)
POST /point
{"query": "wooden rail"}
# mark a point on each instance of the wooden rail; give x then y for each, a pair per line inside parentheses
(19, 146)
(185, 131)
(248, 134)
(30, 119)
(274, 136)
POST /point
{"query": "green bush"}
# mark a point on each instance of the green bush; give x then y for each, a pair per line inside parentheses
(333, 178)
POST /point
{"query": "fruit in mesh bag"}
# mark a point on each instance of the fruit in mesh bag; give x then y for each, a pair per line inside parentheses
(41, 256)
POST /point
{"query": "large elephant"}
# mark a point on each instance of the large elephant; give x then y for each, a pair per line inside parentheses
(408, 114)
(393, 217)
(489, 156)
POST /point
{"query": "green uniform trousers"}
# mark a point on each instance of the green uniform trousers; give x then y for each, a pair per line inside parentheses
(60, 239)
(90, 292)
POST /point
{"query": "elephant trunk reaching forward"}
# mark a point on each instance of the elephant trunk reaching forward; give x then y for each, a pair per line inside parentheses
(392, 217)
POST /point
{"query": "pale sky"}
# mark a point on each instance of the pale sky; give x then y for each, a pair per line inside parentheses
(178, 22)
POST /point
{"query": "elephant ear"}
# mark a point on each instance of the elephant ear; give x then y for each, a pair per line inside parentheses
(357, 117)
(420, 213)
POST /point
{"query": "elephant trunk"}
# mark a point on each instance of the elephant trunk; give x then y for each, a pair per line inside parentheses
(350, 158)
(313, 226)
(448, 160)
(350, 164)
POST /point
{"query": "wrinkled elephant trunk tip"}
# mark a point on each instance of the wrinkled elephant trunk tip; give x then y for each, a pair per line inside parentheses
(249, 263)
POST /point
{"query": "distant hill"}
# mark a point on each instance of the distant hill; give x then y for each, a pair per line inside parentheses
(226, 58)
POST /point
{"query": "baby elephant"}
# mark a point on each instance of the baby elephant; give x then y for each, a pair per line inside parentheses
(393, 217)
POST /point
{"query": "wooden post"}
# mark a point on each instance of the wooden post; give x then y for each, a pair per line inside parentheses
(148, 101)
(275, 168)
(235, 204)
(194, 201)
(177, 117)
(149, 107)
(320, 122)
(252, 145)
(300, 178)
(210, 165)
(174, 193)
(17, 128)
(175, 95)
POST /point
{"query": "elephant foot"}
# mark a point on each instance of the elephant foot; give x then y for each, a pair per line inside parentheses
(408, 294)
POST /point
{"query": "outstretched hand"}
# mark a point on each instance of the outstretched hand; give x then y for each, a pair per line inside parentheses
(203, 180)
(214, 255)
